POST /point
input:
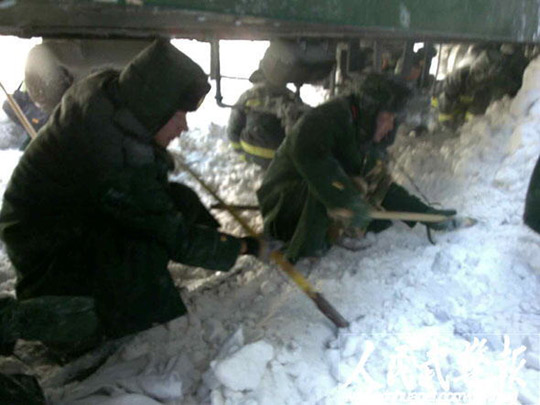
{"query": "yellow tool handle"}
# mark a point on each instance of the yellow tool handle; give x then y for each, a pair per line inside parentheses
(324, 306)
(408, 216)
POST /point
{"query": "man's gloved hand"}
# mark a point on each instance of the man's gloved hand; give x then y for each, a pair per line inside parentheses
(260, 247)
(356, 215)
(443, 225)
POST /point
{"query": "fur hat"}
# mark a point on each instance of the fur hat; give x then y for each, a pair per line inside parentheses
(160, 81)
(376, 93)
(383, 92)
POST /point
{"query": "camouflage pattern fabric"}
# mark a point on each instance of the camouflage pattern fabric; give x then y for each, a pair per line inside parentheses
(469, 90)
(260, 120)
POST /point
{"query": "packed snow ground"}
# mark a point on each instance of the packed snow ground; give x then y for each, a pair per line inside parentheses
(455, 322)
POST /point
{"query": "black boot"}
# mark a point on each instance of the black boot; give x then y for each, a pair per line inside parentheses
(64, 323)
(8, 333)
(69, 322)
(20, 389)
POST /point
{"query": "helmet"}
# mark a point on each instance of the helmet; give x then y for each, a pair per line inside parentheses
(289, 61)
(257, 76)
(159, 81)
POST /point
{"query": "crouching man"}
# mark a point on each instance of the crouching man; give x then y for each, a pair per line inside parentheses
(89, 218)
(327, 175)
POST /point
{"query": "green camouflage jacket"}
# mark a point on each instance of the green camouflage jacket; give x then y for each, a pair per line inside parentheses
(260, 119)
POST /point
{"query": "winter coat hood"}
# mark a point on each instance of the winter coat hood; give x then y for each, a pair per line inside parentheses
(160, 81)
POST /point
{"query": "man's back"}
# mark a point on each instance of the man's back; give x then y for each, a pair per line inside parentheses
(260, 120)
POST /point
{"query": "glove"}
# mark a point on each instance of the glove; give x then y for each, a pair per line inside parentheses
(445, 225)
(355, 215)
(261, 247)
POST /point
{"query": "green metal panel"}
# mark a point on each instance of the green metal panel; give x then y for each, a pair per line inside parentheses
(510, 19)
(501, 20)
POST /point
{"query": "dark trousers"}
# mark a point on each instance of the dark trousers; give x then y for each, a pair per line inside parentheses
(122, 278)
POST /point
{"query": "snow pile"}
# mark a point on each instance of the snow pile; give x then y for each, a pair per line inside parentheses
(244, 368)
(456, 321)
(131, 379)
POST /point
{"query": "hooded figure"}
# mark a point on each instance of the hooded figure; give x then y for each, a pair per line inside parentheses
(89, 219)
(328, 174)
(261, 117)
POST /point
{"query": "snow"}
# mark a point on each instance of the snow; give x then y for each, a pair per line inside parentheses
(244, 369)
(455, 322)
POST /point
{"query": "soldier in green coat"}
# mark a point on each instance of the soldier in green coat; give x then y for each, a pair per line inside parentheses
(89, 218)
(328, 173)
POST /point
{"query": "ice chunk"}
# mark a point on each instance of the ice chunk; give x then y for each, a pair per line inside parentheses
(243, 370)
